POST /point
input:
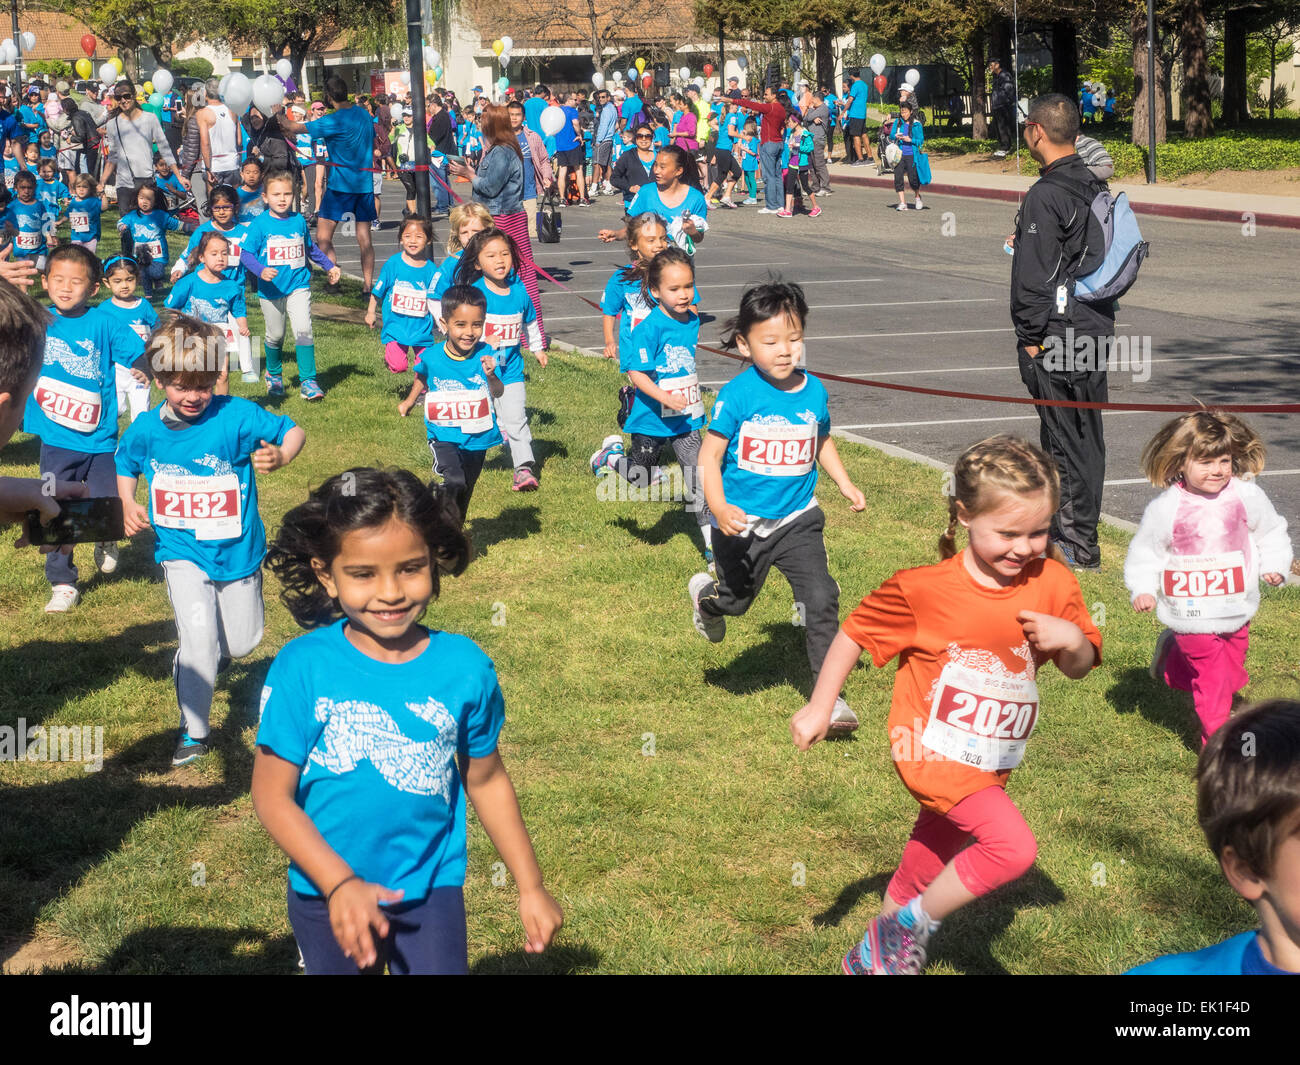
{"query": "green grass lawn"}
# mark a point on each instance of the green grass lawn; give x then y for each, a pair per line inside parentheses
(673, 818)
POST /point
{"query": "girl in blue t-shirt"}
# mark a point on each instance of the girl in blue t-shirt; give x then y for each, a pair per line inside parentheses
(84, 212)
(120, 278)
(463, 222)
(405, 287)
(666, 408)
(223, 206)
(747, 152)
(458, 379)
(680, 205)
(374, 729)
(50, 190)
(148, 228)
(489, 265)
(209, 294)
(251, 203)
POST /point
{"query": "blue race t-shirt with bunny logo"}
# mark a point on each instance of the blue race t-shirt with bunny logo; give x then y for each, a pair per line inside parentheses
(665, 352)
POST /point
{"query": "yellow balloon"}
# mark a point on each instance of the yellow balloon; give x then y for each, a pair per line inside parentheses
(84, 68)
(148, 87)
(497, 47)
(640, 66)
(117, 64)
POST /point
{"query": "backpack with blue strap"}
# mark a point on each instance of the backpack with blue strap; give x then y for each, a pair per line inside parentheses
(1124, 247)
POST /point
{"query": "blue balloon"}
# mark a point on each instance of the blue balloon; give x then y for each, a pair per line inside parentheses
(503, 83)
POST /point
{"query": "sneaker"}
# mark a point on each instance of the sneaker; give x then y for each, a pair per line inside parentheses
(728, 202)
(887, 949)
(310, 390)
(767, 210)
(106, 557)
(1164, 644)
(901, 207)
(608, 189)
(187, 750)
(711, 628)
(783, 213)
(609, 447)
(999, 154)
(248, 376)
(65, 597)
(715, 202)
(585, 203)
(626, 397)
(275, 384)
(918, 206)
(825, 192)
(814, 212)
(525, 480)
(749, 201)
(843, 720)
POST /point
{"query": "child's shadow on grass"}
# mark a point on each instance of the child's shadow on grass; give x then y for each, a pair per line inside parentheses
(513, 523)
(333, 376)
(672, 522)
(189, 950)
(25, 452)
(774, 658)
(555, 961)
(1135, 692)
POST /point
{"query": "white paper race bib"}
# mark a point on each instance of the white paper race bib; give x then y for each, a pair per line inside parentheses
(781, 450)
(409, 301)
(981, 720)
(1205, 586)
(141, 330)
(207, 506)
(503, 330)
(27, 241)
(688, 387)
(467, 411)
(67, 405)
(285, 251)
(79, 221)
(10, 175)
(153, 247)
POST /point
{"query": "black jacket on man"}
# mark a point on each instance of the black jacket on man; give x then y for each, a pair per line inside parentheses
(1052, 228)
(441, 133)
(1004, 90)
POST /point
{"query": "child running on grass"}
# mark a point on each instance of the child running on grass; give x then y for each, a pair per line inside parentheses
(84, 213)
(971, 633)
(1199, 554)
(489, 265)
(144, 237)
(375, 728)
(464, 221)
(458, 404)
(198, 453)
(223, 204)
(758, 468)
(405, 286)
(209, 294)
(138, 315)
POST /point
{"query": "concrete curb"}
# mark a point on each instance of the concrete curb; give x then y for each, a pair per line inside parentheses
(1165, 210)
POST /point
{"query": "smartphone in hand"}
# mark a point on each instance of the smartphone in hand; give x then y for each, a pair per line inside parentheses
(80, 521)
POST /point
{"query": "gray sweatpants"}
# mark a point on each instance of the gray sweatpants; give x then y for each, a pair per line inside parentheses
(512, 420)
(214, 620)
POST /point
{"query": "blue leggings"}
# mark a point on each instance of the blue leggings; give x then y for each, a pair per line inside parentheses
(426, 937)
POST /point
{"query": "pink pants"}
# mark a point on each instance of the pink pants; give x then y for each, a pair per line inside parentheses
(1212, 666)
(517, 226)
(395, 356)
(1004, 847)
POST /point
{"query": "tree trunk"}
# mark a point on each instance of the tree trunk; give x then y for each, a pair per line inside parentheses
(1000, 42)
(1198, 121)
(825, 58)
(1234, 67)
(1272, 76)
(1138, 31)
(596, 50)
(1065, 58)
(979, 122)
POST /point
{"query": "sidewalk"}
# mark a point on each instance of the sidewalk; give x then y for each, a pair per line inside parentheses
(1197, 204)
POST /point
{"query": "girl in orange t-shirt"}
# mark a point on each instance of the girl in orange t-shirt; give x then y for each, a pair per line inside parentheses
(970, 634)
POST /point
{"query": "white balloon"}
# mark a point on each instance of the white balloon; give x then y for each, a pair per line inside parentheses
(698, 81)
(6, 44)
(507, 44)
(598, 80)
(29, 41)
(742, 61)
(268, 93)
(108, 73)
(163, 81)
(283, 67)
(395, 110)
(912, 76)
(877, 64)
(617, 76)
(221, 88)
(684, 73)
(7, 54)
(552, 120)
(405, 77)
(431, 57)
(239, 93)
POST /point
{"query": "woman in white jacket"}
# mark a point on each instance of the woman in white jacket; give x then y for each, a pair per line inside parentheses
(1199, 554)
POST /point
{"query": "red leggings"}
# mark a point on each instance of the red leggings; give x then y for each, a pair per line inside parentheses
(1004, 847)
(1212, 666)
(517, 226)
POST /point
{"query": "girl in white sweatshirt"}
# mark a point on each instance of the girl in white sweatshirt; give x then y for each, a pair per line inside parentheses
(1199, 554)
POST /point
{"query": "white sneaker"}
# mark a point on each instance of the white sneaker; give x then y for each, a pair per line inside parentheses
(106, 557)
(918, 206)
(767, 210)
(711, 628)
(749, 201)
(901, 207)
(65, 597)
(843, 720)
(608, 189)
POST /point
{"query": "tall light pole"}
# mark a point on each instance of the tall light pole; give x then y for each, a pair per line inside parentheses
(18, 47)
(1151, 92)
(420, 131)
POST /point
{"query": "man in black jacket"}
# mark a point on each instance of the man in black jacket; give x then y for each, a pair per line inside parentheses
(444, 143)
(1063, 343)
(1003, 105)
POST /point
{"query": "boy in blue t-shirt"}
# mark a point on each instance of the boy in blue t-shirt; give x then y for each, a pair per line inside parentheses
(1248, 806)
(198, 453)
(73, 408)
(460, 375)
(84, 211)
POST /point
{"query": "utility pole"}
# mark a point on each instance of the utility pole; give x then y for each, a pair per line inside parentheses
(1151, 92)
(420, 130)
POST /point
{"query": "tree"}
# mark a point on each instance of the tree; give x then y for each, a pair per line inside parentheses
(822, 20)
(129, 24)
(1198, 121)
(1274, 36)
(297, 28)
(604, 25)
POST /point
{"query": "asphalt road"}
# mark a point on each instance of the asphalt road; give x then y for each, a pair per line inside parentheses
(921, 298)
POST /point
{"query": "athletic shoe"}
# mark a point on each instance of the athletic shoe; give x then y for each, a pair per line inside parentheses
(814, 212)
(767, 210)
(888, 949)
(749, 201)
(275, 384)
(525, 480)
(65, 597)
(728, 202)
(310, 390)
(585, 203)
(999, 154)
(783, 213)
(715, 202)
(825, 192)
(843, 720)
(918, 206)
(608, 189)
(187, 750)
(106, 557)
(609, 447)
(901, 207)
(248, 376)
(1164, 644)
(711, 628)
